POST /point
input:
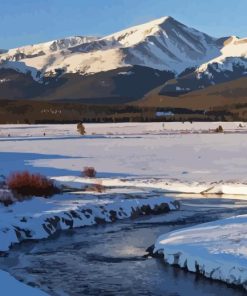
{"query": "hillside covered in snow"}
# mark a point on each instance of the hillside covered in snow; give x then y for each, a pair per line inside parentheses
(123, 66)
(163, 44)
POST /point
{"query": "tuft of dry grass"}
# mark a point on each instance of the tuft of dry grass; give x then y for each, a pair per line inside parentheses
(219, 129)
(89, 172)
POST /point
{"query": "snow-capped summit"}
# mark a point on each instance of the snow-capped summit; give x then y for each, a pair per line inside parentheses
(136, 34)
(233, 52)
(125, 38)
(157, 51)
(163, 44)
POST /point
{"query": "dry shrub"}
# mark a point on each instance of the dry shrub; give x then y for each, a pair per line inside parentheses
(89, 172)
(81, 128)
(27, 184)
(219, 129)
(95, 188)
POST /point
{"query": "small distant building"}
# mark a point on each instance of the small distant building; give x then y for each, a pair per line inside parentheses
(164, 113)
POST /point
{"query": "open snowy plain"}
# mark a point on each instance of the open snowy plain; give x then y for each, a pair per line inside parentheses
(141, 166)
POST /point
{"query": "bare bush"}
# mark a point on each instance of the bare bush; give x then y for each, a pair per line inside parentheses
(27, 184)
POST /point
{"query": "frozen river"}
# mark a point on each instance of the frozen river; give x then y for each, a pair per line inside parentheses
(109, 259)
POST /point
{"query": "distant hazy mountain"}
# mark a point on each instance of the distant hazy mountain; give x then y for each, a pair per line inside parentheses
(123, 66)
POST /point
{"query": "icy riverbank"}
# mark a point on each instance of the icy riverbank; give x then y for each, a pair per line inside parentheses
(216, 250)
(40, 218)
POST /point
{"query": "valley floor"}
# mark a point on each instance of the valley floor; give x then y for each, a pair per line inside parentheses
(138, 163)
(176, 151)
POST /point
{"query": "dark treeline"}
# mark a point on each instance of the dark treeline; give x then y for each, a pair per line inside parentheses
(32, 112)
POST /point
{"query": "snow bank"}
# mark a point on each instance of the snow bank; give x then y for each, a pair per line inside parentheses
(12, 287)
(217, 250)
(171, 186)
(40, 218)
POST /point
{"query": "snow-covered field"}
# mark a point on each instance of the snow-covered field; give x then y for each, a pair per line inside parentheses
(186, 153)
(137, 162)
(134, 128)
(217, 249)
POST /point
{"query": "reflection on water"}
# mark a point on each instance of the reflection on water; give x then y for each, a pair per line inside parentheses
(108, 259)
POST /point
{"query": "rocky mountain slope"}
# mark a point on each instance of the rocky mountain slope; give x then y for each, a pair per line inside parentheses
(231, 64)
(225, 95)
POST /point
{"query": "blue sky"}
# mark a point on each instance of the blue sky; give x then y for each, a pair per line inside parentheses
(30, 21)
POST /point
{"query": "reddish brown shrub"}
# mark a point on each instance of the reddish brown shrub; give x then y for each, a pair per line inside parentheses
(89, 172)
(27, 184)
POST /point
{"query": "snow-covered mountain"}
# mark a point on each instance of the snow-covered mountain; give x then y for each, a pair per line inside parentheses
(229, 65)
(233, 59)
(45, 48)
(164, 46)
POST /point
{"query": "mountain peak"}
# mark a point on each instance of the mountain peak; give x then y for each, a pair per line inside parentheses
(164, 47)
(158, 21)
(137, 33)
(163, 44)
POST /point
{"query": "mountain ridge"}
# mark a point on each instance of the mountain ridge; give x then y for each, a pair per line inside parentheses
(161, 53)
(163, 44)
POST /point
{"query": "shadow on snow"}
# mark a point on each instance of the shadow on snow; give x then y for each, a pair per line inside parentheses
(20, 161)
